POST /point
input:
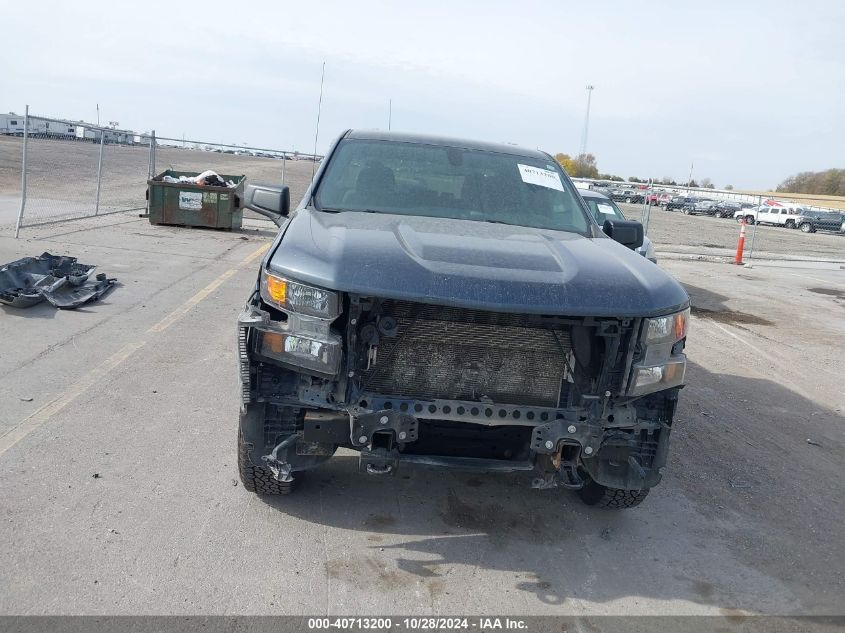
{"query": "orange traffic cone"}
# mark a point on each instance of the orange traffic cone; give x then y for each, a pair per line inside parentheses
(740, 244)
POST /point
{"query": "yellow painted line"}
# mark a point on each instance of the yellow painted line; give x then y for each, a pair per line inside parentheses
(183, 309)
(43, 414)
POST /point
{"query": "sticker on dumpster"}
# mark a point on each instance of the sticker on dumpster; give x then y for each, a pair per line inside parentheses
(209, 197)
(224, 197)
(190, 200)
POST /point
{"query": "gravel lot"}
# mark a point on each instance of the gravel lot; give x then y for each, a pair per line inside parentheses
(674, 232)
(62, 179)
(117, 464)
(62, 175)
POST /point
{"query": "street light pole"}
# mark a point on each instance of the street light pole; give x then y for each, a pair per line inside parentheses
(590, 88)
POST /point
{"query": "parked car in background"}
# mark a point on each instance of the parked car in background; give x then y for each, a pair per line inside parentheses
(785, 215)
(727, 208)
(603, 208)
(657, 199)
(627, 195)
(602, 190)
(812, 221)
(699, 206)
(676, 202)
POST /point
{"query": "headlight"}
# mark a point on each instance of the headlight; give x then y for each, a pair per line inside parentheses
(658, 377)
(292, 296)
(322, 356)
(663, 365)
(667, 329)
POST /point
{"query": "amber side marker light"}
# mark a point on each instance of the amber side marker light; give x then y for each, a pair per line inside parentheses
(277, 289)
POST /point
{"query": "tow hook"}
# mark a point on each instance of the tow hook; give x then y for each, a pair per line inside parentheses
(565, 473)
(280, 469)
(378, 461)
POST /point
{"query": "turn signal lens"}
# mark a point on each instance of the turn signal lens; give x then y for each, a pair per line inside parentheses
(681, 324)
(277, 289)
(274, 342)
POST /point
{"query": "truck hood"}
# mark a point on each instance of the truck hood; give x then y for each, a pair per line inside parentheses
(472, 264)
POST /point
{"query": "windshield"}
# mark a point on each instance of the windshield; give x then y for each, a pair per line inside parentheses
(603, 210)
(449, 182)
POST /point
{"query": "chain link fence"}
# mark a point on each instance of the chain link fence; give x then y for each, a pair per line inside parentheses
(52, 170)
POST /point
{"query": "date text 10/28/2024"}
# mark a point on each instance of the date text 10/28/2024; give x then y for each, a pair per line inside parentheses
(417, 624)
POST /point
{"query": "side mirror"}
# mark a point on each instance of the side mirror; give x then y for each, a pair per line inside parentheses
(272, 201)
(626, 232)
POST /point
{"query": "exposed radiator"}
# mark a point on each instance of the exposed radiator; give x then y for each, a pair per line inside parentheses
(456, 354)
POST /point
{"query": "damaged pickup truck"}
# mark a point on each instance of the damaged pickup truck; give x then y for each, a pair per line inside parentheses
(454, 304)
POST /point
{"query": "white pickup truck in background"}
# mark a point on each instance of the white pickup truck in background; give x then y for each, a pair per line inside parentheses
(785, 215)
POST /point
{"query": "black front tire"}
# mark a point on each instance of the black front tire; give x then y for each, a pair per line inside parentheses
(806, 227)
(594, 494)
(256, 478)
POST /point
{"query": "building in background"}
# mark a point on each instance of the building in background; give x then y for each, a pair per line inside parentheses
(12, 124)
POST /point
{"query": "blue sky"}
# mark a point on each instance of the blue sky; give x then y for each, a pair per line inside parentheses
(750, 91)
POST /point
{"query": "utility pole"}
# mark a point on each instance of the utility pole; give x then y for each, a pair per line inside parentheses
(590, 88)
(689, 180)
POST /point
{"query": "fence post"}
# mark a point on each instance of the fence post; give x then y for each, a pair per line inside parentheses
(99, 172)
(153, 153)
(23, 172)
(754, 230)
(150, 159)
(284, 166)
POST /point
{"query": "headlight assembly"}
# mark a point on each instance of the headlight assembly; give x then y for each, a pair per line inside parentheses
(304, 338)
(321, 356)
(663, 363)
(667, 329)
(292, 296)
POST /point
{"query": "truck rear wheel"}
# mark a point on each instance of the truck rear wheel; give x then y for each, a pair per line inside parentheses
(256, 478)
(594, 494)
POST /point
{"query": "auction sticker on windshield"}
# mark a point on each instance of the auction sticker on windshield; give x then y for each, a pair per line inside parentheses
(540, 176)
(606, 209)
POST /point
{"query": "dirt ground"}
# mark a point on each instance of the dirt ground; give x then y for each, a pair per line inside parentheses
(674, 232)
(62, 175)
(120, 492)
(62, 180)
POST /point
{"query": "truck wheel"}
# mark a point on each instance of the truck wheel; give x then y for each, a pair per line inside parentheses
(594, 494)
(790, 224)
(806, 227)
(257, 479)
(749, 219)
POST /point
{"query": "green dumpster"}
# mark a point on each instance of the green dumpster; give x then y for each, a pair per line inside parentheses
(189, 204)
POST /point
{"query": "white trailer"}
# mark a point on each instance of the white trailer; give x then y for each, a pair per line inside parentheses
(11, 124)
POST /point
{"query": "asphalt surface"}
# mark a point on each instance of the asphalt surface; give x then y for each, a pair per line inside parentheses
(120, 491)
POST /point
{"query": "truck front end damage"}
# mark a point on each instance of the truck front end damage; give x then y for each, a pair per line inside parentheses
(575, 400)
